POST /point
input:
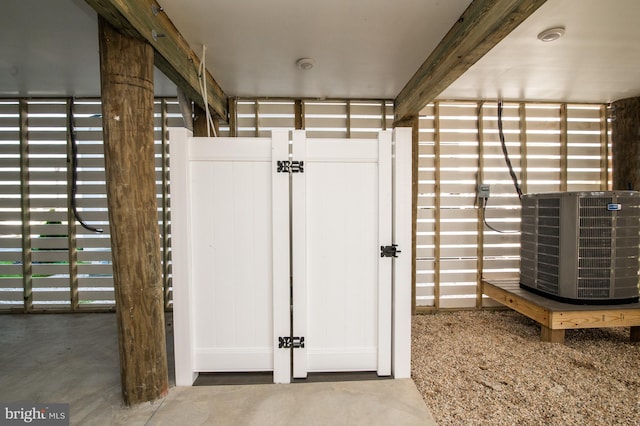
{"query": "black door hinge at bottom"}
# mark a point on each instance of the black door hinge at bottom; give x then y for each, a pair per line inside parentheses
(290, 342)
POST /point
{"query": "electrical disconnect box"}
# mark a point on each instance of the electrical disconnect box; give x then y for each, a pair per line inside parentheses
(483, 191)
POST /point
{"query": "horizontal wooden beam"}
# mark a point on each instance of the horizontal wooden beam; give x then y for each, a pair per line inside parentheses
(482, 26)
(172, 54)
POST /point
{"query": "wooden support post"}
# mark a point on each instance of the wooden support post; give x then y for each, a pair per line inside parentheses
(383, 114)
(625, 136)
(71, 217)
(437, 225)
(480, 210)
(298, 113)
(25, 209)
(414, 123)
(552, 336)
(348, 119)
(126, 70)
(564, 148)
(522, 111)
(199, 121)
(200, 124)
(605, 170)
(216, 125)
(625, 140)
(257, 132)
(233, 117)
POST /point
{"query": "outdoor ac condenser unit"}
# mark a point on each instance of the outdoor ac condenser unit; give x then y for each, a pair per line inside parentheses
(581, 247)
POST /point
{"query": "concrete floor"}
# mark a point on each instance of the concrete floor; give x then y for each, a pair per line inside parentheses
(73, 359)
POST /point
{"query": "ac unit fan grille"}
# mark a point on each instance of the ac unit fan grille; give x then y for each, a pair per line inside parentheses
(582, 246)
(548, 241)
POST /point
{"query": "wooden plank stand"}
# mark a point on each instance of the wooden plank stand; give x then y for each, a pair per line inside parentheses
(555, 317)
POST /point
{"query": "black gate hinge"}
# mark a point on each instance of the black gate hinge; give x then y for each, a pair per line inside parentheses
(389, 251)
(290, 342)
(290, 166)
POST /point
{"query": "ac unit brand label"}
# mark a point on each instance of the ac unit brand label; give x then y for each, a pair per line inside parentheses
(614, 207)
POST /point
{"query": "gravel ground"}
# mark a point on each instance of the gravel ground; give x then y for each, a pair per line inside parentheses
(490, 368)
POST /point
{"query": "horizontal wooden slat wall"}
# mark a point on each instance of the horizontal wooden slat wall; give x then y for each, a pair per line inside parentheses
(69, 268)
(426, 265)
(47, 191)
(95, 280)
(552, 147)
(320, 118)
(562, 146)
(11, 267)
(58, 265)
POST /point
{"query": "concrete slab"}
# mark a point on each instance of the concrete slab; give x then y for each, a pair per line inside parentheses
(388, 402)
(73, 358)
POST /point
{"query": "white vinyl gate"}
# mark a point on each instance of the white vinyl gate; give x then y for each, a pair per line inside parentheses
(277, 253)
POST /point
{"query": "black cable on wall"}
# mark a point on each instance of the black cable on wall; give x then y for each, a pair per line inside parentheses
(74, 169)
(512, 173)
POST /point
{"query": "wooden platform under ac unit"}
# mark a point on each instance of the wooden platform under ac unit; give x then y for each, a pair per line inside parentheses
(555, 317)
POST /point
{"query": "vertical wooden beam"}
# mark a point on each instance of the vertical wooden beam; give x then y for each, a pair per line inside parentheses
(200, 124)
(257, 103)
(71, 218)
(233, 117)
(523, 147)
(551, 336)
(564, 149)
(25, 208)
(604, 149)
(126, 70)
(437, 203)
(348, 118)
(480, 210)
(625, 137)
(216, 125)
(414, 123)
(201, 127)
(383, 105)
(298, 113)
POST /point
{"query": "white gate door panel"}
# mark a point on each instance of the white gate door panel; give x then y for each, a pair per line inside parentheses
(223, 253)
(341, 304)
(233, 261)
(232, 254)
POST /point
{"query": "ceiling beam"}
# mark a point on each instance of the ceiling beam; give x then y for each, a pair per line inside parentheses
(172, 54)
(482, 26)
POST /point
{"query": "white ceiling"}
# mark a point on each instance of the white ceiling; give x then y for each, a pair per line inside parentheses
(598, 59)
(362, 49)
(50, 48)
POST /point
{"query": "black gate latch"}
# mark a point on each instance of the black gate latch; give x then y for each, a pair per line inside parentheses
(389, 251)
(290, 342)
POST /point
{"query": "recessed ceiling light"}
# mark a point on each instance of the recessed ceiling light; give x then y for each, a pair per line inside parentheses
(305, 64)
(551, 34)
